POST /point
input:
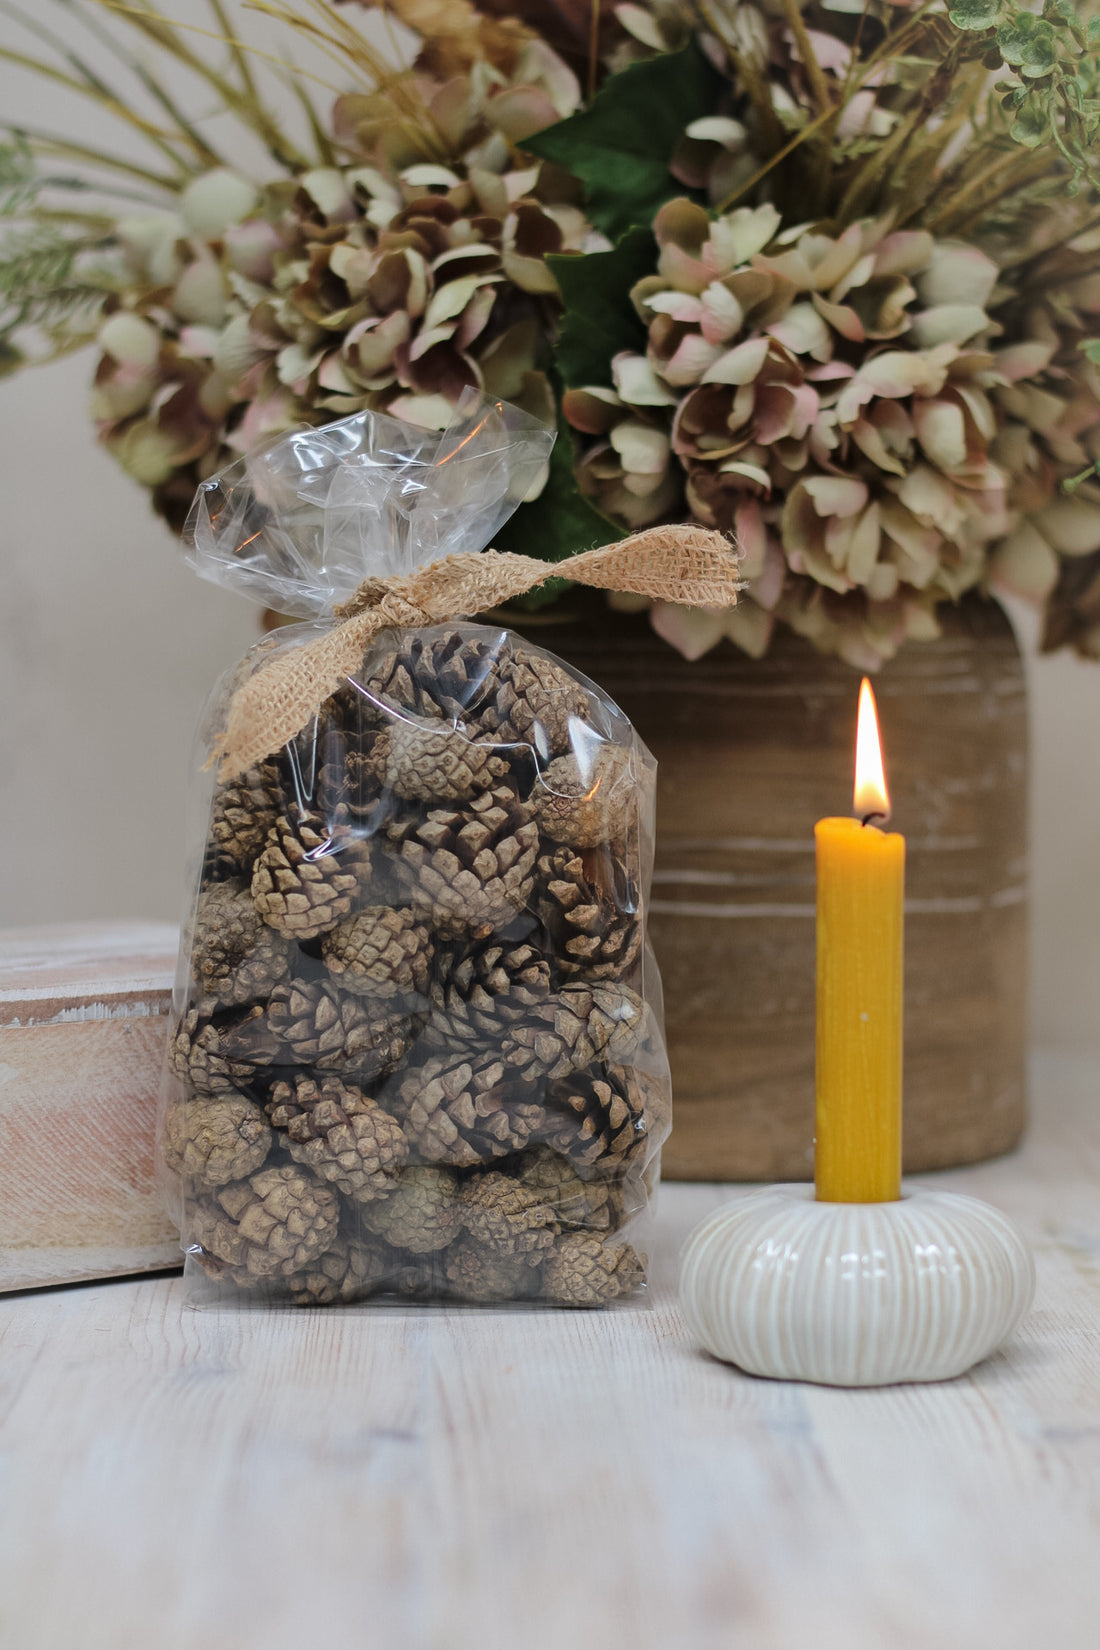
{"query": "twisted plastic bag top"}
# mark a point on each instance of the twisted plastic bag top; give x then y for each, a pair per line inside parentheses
(298, 524)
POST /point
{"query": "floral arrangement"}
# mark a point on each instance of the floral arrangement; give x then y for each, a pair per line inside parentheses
(824, 276)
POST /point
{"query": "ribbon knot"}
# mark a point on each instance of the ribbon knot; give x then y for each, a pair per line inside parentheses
(678, 564)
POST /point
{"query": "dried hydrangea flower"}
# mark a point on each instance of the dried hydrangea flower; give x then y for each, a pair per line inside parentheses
(840, 402)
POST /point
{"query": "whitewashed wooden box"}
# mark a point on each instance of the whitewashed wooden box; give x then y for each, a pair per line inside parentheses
(83, 1020)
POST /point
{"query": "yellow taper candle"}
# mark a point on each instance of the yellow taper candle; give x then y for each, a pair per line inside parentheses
(860, 926)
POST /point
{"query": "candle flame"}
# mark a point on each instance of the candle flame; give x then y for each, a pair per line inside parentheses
(871, 799)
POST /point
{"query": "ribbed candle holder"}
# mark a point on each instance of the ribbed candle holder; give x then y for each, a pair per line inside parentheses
(855, 1294)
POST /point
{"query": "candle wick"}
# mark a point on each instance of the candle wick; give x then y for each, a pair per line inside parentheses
(867, 818)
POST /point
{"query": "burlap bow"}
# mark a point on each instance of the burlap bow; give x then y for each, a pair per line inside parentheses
(678, 564)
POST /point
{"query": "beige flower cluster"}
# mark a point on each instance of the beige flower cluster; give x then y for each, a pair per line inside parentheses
(394, 279)
(857, 411)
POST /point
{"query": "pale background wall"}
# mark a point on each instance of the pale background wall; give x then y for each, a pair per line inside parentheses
(108, 645)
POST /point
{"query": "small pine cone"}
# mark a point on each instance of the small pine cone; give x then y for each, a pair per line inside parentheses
(506, 1215)
(425, 764)
(533, 702)
(465, 1107)
(235, 958)
(308, 876)
(423, 1214)
(469, 867)
(598, 1116)
(349, 779)
(590, 804)
(478, 1274)
(341, 1135)
(352, 1270)
(383, 952)
(582, 1270)
(210, 1140)
(273, 1224)
(438, 674)
(318, 1025)
(590, 929)
(592, 1204)
(218, 1056)
(482, 988)
(577, 1027)
(243, 812)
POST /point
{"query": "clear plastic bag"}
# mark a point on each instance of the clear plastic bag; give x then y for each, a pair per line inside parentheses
(418, 1045)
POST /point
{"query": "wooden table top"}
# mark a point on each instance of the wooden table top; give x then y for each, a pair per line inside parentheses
(437, 1479)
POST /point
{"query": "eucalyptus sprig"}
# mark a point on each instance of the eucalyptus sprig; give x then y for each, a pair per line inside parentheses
(1053, 98)
(52, 277)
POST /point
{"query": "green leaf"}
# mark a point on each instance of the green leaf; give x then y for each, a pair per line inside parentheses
(1090, 348)
(1063, 10)
(975, 14)
(560, 522)
(621, 145)
(1028, 44)
(599, 319)
(1030, 127)
(1092, 34)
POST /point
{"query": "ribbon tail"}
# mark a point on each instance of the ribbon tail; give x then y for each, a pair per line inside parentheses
(681, 564)
(687, 564)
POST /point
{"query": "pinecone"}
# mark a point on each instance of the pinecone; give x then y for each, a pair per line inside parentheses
(598, 1116)
(340, 1134)
(352, 1270)
(507, 1215)
(383, 952)
(276, 1222)
(481, 988)
(309, 874)
(592, 1204)
(587, 804)
(219, 1055)
(243, 812)
(425, 764)
(469, 867)
(535, 699)
(479, 1274)
(588, 907)
(465, 1107)
(235, 958)
(577, 1027)
(318, 1025)
(491, 687)
(437, 675)
(582, 1270)
(210, 1141)
(349, 775)
(423, 1214)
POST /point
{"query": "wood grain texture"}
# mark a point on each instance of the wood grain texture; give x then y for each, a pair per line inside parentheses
(83, 1017)
(749, 754)
(440, 1479)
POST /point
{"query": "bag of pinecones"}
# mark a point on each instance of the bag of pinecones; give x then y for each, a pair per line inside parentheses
(417, 1048)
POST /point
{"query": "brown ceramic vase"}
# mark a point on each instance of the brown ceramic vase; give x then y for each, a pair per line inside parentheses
(750, 753)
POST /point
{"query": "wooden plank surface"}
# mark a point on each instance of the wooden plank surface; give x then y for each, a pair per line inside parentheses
(419, 1479)
(62, 972)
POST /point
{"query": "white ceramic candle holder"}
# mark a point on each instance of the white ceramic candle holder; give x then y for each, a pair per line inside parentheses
(855, 1294)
